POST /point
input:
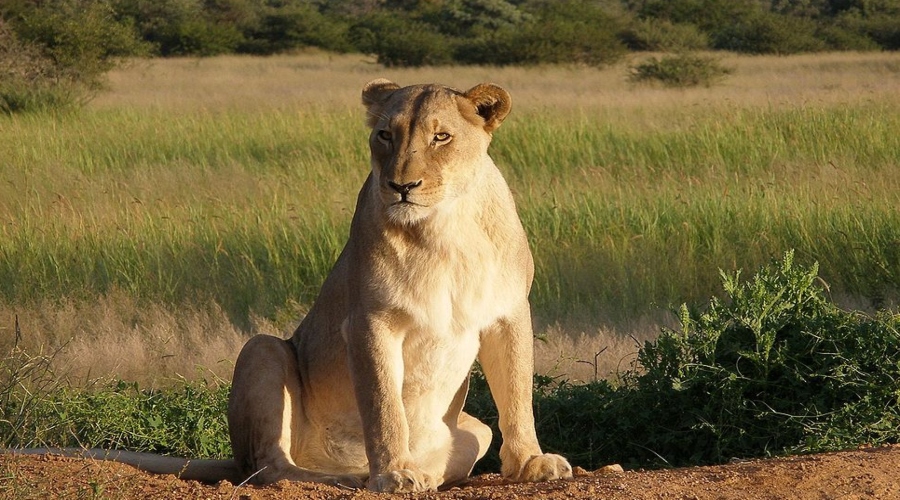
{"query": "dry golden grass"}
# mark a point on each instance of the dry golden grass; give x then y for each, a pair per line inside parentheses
(118, 338)
(335, 80)
(585, 356)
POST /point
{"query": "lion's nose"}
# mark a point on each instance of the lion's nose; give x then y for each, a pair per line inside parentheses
(404, 189)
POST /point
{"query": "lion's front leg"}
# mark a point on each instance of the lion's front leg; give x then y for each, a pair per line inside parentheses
(376, 361)
(506, 357)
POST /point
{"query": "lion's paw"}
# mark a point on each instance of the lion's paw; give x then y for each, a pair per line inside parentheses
(545, 467)
(402, 481)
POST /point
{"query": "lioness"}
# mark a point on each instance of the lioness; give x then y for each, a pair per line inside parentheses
(436, 272)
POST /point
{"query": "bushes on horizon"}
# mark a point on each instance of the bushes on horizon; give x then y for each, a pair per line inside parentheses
(486, 32)
(563, 32)
(396, 41)
(767, 33)
(662, 35)
(883, 28)
(185, 27)
(295, 25)
(783, 28)
(497, 32)
(740, 26)
(58, 52)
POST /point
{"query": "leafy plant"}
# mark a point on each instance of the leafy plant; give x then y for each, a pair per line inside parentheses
(774, 368)
(664, 36)
(397, 40)
(188, 419)
(682, 70)
(30, 81)
(57, 52)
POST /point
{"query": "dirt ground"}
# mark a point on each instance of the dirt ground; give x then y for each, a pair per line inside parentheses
(857, 474)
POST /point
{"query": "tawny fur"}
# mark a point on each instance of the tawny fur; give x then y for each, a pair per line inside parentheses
(436, 273)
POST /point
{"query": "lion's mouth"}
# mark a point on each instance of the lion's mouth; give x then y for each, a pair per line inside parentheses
(402, 200)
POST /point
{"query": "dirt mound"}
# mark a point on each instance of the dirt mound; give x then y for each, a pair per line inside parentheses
(857, 474)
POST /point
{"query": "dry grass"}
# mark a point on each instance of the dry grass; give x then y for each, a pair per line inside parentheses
(585, 356)
(118, 338)
(335, 80)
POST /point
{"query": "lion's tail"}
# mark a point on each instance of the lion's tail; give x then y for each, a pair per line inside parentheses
(208, 471)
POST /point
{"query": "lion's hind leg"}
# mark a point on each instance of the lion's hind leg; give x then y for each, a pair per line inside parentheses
(264, 414)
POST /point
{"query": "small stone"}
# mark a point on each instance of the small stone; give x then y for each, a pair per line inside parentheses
(610, 469)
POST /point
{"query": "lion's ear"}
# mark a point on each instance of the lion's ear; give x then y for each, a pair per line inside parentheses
(374, 94)
(492, 103)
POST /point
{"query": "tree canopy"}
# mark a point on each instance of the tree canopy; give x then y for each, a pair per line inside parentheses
(433, 32)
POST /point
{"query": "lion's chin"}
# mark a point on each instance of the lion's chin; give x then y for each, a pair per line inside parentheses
(407, 214)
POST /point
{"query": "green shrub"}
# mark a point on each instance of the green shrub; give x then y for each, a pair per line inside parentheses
(768, 33)
(55, 54)
(683, 70)
(777, 368)
(184, 27)
(30, 81)
(662, 35)
(292, 26)
(400, 41)
(772, 368)
(564, 32)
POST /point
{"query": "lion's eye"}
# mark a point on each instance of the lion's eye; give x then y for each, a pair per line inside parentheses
(441, 137)
(385, 135)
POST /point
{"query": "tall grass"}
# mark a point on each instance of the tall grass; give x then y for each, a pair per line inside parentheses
(211, 207)
(632, 197)
(623, 221)
(250, 211)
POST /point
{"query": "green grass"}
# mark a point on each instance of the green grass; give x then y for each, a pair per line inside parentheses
(627, 220)
(37, 410)
(250, 209)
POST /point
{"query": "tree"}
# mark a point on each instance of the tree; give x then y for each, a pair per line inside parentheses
(58, 51)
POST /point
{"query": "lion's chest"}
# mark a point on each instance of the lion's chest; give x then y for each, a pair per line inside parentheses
(447, 294)
(448, 290)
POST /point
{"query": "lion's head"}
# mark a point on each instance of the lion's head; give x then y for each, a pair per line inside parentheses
(427, 142)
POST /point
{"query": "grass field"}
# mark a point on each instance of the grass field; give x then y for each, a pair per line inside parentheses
(199, 201)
